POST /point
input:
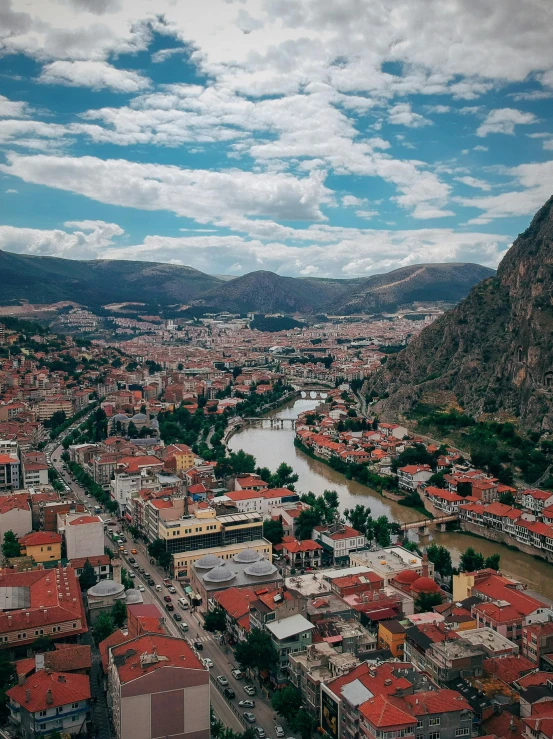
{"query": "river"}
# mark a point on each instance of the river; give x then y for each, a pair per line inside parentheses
(271, 446)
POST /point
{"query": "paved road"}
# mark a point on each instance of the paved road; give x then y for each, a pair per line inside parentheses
(221, 656)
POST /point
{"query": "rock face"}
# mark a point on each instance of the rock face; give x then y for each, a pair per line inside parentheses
(494, 350)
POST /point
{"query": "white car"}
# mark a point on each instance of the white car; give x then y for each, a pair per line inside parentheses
(279, 731)
(207, 663)
(141, 588)
(222, 680)
(237, 673)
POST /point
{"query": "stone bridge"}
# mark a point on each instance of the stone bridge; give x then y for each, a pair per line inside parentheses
(273, 423)
(424, 524)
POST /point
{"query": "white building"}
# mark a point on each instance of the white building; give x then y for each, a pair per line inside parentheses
(412, 475)
(84, 534)
(339, 540)
(15, 515)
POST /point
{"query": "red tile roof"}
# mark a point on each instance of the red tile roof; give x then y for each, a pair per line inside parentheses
(382, 712)
(84, 520)
(509, 668)
(236, 601)
(436, 701)
(111, 641)
(65, 687)
(38, 538)
(177, 653)
(96, 561)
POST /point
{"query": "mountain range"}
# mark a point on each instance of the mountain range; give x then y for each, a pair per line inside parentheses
(492, 352)
(41, 279)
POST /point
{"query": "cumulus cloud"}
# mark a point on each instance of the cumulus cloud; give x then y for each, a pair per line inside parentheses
(474, 182)
(86, 240)
(96, 75)
(402, 115)
(504, 120)
(13, 108)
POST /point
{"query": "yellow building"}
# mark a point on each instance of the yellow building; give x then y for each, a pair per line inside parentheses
(463, 584)
(391, 635)
(184, 458)
(41, 546)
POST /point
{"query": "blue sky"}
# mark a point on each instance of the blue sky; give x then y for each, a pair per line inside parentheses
(308, 137)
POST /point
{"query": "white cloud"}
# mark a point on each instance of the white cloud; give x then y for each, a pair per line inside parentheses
(11, 191)
(13, 108)
(206, 196)
(86, 242)
(474, 182)
(94, 74)
(548, 145)
(504, 120)
(368, 214)
(480, 148)
(402, 115)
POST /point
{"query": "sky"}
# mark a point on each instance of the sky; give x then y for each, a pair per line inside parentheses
(325, 138)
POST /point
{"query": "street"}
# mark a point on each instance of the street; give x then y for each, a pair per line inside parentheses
(222, 656)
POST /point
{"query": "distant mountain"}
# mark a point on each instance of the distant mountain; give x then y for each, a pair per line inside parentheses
(267, 292)
(93, 283)
(418, 283)
(98, 282)
(492, 352)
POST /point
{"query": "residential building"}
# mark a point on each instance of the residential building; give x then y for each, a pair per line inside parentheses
(44, 602)
(412, 475)
(100, 564)
(50, 701)
(9, 471)
(391, 636)
(84, 535)
(158, 688)
(261, 501)
(453, 659)
(338, 541)
(300, 555)
(289, 635)
(15, 514)
(41, 546)
(537, 641)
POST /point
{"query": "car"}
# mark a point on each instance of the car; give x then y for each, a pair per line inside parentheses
(246, 703)
(169, 607)
(260, 732)
(111, 523)
(184, 626)
(167, 598)
(147, 575)
(172, 589)
(135, 565)
(207, 663)
(222, 680)
(151, 582)
(237, 673)
(250, 718)
(198, 646)
(250, 689)
(177, 617)
(121, 548)
(166, 582)
(229, 693)
(125, 552)
(141, 588)
(132, 560)
(132, 575)
(123, 538)
(279, 731)
(141, 570)
(134, 551)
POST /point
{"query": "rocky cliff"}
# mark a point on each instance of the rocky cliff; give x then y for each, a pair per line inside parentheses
(494, 350)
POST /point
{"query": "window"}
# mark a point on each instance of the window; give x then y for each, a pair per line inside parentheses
(462, 732)
(434, 721)
(419, 723)
(434, 735)
(75, 705)
(42, 713)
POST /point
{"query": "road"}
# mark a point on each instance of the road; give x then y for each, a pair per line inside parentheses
(221, 656)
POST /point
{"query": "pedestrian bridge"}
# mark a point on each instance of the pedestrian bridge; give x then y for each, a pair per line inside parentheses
(424, 524)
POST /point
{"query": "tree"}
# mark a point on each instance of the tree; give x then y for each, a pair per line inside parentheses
(215, 620)
(165, 559)
(426, 601)
(284, 477)
(306, 522)
(119, 613)
(416, 454)
(242, 463)
(273, 531)
(87, 578)
(287, 702)
(10, 547)
(358, 517)
(507, 498)
(103, 627)
(441, 559)
(256, 652)
(471, 561)
(382, 531)
(132, 431)
(492, 562)
(156, 548)
(8, 678)
(42, 644)
(304, 724)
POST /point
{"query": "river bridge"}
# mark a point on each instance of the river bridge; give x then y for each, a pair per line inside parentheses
(273, 423)
(424, 524)
(315, 390)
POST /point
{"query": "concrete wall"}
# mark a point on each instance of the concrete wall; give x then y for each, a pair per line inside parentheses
(84, 540)
(499, 536)
(20, 522)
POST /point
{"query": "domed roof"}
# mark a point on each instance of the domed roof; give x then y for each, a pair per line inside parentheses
(139, 417)
(133, 596)
(223, 573)
(208, 561)
(246, 556)
(406, 577)
(120, 417)
(104, 588)
(425, 585)
(262, 567)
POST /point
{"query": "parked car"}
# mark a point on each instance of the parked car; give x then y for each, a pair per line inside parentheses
(132, 575)
(237, 673)
(250, 718)
(132, 560)
(222, 680)
(142, 588)
(279, 731)
(260, 732)
(177, 617)
(246, 703)
(250, 689)
(229, 693)
(207, 663)
(172, 589)
(169, 607)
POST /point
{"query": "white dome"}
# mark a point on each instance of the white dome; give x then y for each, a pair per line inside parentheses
(104, 588)
(208, 562)
(263, 567)
(246, 556)
(220, 574)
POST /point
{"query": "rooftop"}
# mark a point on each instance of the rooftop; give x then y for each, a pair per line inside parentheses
(151, 652)
(290, 626)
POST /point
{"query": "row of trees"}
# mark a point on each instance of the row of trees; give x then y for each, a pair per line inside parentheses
(379, 530)
(91, 487)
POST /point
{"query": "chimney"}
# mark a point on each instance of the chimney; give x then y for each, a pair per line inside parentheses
(39, 662)
(425, 565)
(27, 695)
(22, 679)
(49, 699)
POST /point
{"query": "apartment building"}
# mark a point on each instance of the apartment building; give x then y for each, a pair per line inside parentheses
(15, 514)
(10, 477)
(289, 635)
(41, 546)
(84, 534)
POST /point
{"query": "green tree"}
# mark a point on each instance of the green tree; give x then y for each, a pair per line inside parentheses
(441, 559)
(304, 724)
(215, 620)
(132, 431)
(287, 702)
(103, 627)
(425, 602)
(8, 678)
(257, 652)
(507, 498)
(87, 578)
(358, 517)
(382, 531)
(416, 454)
(306, 522)
(471, 561)
(10, 547)
(242, 463)
(119, 613)
(284, 477)
(165, 559)
(42, 644)
(273, 530)
(156, 548)
(492, 562)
